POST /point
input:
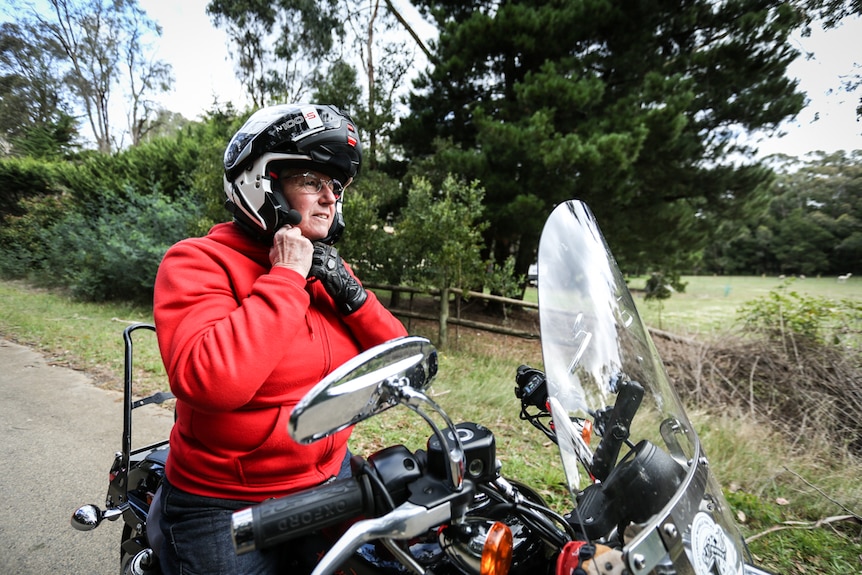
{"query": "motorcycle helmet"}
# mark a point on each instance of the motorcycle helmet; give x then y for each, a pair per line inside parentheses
(304, 136)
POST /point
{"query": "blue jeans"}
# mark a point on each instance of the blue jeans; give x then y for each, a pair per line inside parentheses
(197, 539)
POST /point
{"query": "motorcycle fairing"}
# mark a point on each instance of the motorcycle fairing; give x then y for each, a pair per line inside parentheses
(594, 346)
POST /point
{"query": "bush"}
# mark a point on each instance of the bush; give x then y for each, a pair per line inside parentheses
(368, 244)
(22, 178)
(113, 252)
(23, 236)
(785, 314)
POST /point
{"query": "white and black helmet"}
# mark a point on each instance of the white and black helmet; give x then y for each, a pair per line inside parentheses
(304, 136)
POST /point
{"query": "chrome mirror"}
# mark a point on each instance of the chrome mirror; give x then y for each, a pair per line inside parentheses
(363, 387)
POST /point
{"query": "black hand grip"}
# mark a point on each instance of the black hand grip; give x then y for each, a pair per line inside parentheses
(278, 520)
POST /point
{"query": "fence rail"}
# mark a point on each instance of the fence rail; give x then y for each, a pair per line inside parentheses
(457, 319)
(494, 328)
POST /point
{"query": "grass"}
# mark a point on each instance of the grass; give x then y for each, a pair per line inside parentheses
(83, 336)
(778, 493)
(708, 302)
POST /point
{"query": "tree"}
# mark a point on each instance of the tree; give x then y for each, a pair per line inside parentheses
(378, 36)
(812, 224)
(826, 194)
(290, 49)
(632, 107)
(145, 77)
(98, 38)
(35, 117)
(282, 46)
(369, 242)
(439, 238)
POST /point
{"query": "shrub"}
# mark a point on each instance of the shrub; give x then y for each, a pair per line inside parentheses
(23, 236)
(113, 251)
(22, 178)
(368, 244)
(784, 314)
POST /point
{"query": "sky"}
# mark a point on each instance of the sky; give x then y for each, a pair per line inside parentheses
(202, 70)
(198, 53)
(828, 122)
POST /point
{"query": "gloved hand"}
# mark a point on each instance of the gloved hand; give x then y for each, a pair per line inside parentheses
(343, 288)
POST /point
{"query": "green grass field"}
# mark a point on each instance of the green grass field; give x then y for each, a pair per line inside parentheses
(709, 303)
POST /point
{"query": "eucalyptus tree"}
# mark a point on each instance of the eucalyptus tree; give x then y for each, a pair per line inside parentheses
(388, 50)
(352, 53)
(101, 41)
(145, 77)
(636, 107)
(36, 116)
(282, 46)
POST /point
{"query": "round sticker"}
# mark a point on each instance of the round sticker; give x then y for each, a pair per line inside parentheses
(713, 550)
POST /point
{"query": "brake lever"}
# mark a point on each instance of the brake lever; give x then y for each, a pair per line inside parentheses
(405, 521)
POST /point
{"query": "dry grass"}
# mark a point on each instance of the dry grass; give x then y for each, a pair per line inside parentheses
(811, 394)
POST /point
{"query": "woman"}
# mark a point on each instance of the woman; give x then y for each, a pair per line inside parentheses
(248, 319)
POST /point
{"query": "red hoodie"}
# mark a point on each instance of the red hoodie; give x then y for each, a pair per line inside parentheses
(242, 342)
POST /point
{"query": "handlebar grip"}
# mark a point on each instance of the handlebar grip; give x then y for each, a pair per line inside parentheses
(278, 520)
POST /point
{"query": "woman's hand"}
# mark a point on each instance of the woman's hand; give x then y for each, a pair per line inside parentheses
(290, 249)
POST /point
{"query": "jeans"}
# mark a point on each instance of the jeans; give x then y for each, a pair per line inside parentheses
(197, 541)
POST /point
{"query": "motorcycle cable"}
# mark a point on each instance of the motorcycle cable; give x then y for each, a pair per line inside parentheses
(532, 390)
(536, 421)
(361, 469)
(535, 516)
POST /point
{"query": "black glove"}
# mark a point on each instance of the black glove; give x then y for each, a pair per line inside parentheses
(343, 288)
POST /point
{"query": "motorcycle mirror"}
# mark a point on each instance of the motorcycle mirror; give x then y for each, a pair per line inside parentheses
(363, 387)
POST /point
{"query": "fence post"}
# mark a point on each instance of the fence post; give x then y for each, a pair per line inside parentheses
(444, 318)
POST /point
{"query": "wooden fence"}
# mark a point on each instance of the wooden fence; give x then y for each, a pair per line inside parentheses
(409, 313)
(457, 320)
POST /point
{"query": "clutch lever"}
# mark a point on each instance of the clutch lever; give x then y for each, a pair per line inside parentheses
(405, 521)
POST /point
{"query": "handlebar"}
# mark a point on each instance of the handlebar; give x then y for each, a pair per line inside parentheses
(278, 520)
(396, 494)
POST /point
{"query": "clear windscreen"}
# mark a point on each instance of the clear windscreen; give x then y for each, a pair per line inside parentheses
(618, 422)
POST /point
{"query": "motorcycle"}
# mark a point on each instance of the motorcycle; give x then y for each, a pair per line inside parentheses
(644, 500)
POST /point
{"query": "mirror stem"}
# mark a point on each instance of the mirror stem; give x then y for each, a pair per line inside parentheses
(414, 400)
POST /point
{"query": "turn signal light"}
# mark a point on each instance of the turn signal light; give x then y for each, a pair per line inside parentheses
(497, 551)
(587, 431)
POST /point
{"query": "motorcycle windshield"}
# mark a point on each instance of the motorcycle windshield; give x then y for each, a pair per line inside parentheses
(616, 416)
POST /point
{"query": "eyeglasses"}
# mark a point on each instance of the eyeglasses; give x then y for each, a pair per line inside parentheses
(313, 184)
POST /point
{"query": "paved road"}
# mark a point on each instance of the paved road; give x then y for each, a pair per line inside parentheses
(58, 434)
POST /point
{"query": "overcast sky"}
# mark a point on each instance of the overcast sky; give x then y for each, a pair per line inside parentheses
(837, 55)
